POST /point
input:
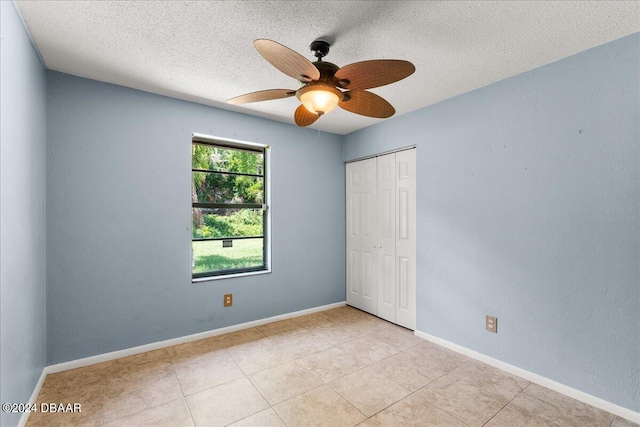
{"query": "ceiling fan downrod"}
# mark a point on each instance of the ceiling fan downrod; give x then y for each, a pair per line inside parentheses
(320, 48)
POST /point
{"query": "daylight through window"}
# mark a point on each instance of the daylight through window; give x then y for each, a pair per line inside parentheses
(228, 196)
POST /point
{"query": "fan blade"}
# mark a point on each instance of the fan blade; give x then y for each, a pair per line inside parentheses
(375, 73)
(262, 95)
(286, 60)
(303, 117)
(367, 104)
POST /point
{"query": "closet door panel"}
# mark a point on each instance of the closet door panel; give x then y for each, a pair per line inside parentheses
(405, 256)
(369, 236)
(386, 237)
(353, 180)
(361, 235)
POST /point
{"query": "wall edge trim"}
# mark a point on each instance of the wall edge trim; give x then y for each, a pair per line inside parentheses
(589, 399)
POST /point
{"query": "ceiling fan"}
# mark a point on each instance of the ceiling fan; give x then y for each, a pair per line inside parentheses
(325, 85)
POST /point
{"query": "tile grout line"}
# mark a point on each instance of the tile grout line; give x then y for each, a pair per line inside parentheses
(272, 407)
(142, 410)
(508, 403)
(433, 403)
(332, 345)
(278, 415)
(369, 334)
(367, 366)
(347, 400)
(290, 360)
(184, 397)
(323, 383)
(189, 410)
(105, 422)
(315, 388)
(258, 390)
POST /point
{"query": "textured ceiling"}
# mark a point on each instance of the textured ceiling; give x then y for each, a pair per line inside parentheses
(202, 51)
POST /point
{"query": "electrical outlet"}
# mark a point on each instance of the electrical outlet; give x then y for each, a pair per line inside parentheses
(491, 324)
(228, 300)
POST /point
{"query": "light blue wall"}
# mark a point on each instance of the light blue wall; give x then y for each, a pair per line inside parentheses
(119, 218)
(22, 213)
(528, 210)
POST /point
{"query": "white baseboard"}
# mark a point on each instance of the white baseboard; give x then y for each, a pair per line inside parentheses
(610, 407)
(105, 357)
(32, 399)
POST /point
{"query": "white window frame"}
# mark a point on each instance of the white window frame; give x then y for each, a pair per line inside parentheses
(234, 143)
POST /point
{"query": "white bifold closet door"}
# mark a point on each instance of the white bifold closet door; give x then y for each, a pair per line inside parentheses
(362, 235)
(387, 239)
(381, 236)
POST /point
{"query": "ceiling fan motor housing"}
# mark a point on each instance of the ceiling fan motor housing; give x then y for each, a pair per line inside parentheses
(327, 71)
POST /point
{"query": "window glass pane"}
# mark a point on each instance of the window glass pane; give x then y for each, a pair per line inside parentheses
(222, 188)
(212, 256)
(209, 223)
(226, 159)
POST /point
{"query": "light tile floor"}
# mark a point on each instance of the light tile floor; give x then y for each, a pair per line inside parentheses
(339, 367)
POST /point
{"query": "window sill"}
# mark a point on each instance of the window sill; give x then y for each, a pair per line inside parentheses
(229, 276)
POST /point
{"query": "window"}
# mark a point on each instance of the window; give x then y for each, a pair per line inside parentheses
(229, 207)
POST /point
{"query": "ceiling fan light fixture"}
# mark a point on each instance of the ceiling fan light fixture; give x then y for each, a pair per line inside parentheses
(319, 99)
(324, 82)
